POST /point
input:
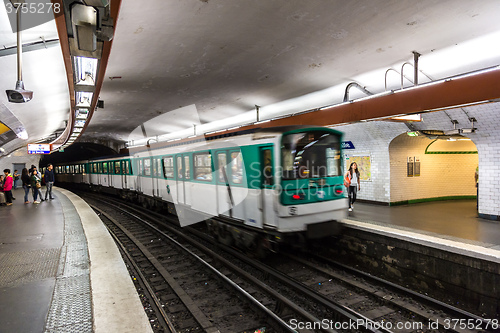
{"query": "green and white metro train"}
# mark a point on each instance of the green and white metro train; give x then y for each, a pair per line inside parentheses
(255, 188)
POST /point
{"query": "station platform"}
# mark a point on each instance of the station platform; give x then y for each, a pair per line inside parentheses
(60, 271)
(455, 220)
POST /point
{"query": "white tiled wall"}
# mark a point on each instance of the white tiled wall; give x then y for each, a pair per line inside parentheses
(373, 138)
(441, 175)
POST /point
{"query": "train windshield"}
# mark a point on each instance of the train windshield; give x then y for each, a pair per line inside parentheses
(311, 155)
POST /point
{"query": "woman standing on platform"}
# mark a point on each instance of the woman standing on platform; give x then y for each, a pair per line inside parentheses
(36, 184)
(352, 176)
(25, 178)
(7, 186)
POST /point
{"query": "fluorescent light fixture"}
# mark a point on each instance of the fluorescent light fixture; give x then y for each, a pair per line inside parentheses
(79, 123)
(411, 117)
(83, 99)
(413, 133)
(21, 133)
(85, 71)
(82, 114)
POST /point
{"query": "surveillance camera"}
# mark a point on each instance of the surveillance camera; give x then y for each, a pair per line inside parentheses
(19, 95)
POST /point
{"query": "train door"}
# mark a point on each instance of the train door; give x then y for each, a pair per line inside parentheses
(267, 196)
(156, 176)
(123, 174)
(179, 163)
(140, 171)
(223, 191)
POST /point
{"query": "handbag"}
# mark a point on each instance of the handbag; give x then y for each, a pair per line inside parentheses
(347, 181)
(38, 185)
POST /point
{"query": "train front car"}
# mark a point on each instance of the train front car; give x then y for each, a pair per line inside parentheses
(312, 197)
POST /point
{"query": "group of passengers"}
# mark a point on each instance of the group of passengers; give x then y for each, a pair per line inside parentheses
(30, 179)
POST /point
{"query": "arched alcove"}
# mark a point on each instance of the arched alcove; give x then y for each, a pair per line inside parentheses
(432, 168)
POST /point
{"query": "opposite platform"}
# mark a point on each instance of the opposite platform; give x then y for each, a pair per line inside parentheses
(60, 271)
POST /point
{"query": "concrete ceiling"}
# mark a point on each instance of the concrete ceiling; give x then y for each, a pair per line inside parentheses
(178, 60)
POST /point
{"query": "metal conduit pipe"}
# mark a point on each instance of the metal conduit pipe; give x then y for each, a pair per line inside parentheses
(402, 74)
(387, 71)
(354, 84)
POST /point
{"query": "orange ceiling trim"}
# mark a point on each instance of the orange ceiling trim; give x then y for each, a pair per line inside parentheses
(114, 6)
(65, 48)
(478, 88)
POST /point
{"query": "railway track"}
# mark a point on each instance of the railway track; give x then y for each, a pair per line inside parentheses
(299, 293)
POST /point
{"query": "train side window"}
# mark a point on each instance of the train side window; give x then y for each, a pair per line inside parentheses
(105, 167)
(236, 167)
(67, 169)
(203, 166)
(117, 168)
(187, 174)
(168, 167)
(179, 167)
(147, 167)
(99, 167)
(221, 164)
(126, 167)
(267, 167)
(157, 167)
(140, 167)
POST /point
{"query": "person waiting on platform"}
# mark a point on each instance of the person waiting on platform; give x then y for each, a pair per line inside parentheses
(16, 178)
(7, 186)
(352, 178)
(25, 178)
(2, 195)
(49, 178)
(36, 184)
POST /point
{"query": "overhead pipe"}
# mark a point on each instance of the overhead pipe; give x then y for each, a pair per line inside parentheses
(354, 84)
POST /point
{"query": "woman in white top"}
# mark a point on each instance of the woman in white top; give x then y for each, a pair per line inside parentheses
(354, 186)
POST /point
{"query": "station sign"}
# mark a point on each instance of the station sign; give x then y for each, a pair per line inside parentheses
(39, 148)
(347, 145)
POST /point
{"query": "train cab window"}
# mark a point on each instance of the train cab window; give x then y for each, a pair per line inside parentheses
(221, 163)
(168, 167)
(267, 167)
(105, 167)
(236, 167)
(179, 167)
(203, 166)
(332, 162)
(187, 174)
(117, 168)
(306, 155)
(147, 167)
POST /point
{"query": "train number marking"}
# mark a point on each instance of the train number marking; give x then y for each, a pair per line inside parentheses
(292, 210)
